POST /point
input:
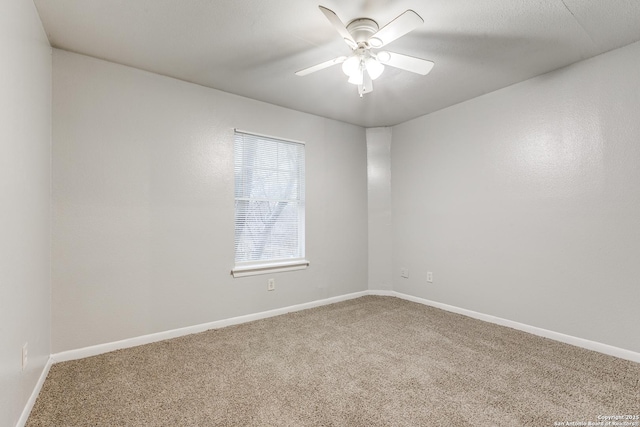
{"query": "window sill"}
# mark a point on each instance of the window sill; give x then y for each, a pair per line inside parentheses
(275, 267)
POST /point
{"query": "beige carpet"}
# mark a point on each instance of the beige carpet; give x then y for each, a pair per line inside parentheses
(372, 361)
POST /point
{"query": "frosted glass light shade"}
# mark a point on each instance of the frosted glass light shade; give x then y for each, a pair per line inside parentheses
(357, 78)
(351, 66)
(374, 68)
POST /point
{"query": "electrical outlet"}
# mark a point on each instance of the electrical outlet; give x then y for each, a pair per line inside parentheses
(271, 285)
(25, 354)
(429, 277)
(404, 272)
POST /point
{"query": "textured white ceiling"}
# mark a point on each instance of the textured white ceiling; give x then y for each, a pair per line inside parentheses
(253, 47)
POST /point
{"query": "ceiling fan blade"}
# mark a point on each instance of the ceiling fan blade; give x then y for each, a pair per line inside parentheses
(407, 21)
(406, 62)
(339, 26)
(321, 66)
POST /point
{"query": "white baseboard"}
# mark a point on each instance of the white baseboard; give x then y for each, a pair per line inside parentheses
(34, 394)
(174, 333)
(557, 336)
(147, 339)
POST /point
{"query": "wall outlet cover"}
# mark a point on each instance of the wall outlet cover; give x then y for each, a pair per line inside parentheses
(25, 355)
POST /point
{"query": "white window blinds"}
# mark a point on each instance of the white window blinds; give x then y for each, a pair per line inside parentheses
(269, 199)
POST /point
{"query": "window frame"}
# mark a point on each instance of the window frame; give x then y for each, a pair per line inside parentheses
(251, 268)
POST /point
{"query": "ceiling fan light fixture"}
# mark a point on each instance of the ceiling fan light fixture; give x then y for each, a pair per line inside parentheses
(363, 35)
(374, 68)
(351, 66)
(357, 78)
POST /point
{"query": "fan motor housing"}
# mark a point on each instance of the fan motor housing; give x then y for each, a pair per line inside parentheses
(362, 28)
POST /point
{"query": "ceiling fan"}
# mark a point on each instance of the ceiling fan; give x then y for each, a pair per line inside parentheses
(362, 35)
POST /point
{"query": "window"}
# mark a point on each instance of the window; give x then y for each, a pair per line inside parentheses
(269, 205)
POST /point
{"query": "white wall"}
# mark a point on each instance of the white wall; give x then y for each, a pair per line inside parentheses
(143, 204)
(25, 181)
(525, 202)
(379, 207)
